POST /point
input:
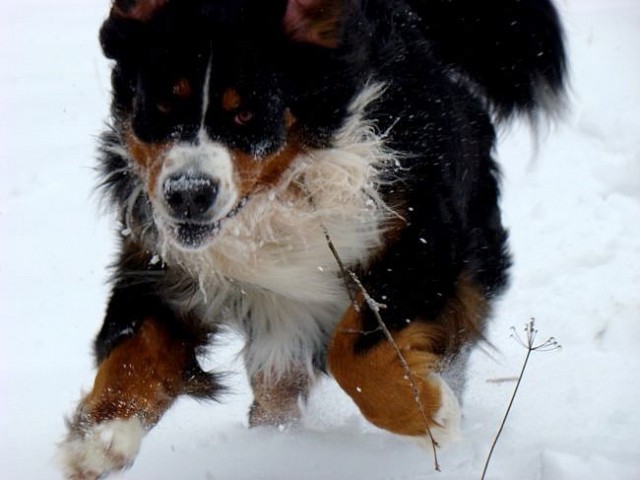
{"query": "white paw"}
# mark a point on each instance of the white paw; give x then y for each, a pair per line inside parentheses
(447, 417)
(90, 452)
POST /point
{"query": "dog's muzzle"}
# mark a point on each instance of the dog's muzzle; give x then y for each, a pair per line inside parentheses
(197, 193)
(189, 200)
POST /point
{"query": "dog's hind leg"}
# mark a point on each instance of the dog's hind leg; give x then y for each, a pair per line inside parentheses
(136, 382)
(378, 382)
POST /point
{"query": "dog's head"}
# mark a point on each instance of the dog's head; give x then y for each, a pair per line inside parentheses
(213, 99)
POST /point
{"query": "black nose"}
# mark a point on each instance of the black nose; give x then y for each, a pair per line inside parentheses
(190, 196)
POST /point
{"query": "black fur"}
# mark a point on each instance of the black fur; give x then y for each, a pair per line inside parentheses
(451, 69)
(512, 50)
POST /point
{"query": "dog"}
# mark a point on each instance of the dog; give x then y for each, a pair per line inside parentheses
(318, 175)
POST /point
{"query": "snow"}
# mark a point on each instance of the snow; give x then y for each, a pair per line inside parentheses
(571, 200)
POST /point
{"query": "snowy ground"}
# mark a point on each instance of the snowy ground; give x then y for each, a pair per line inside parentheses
(574, 213)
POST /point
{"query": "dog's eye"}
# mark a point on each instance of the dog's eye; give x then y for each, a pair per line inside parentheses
(243, 117)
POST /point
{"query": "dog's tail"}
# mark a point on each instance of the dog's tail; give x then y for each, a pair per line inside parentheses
(512, 51)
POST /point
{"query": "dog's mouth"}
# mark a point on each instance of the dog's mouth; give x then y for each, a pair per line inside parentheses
(194, 235)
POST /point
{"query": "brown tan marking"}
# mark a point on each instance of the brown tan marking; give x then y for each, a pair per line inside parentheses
(377, 381)
(254, 174)
(289, 119)
(182, 88)
(276, 399)
(148, 157)
(462, 320)
(231, 99)
(141, 377)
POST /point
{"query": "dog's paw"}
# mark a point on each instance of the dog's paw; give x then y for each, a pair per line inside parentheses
(446, 421)
(448, 416)
(90, 452)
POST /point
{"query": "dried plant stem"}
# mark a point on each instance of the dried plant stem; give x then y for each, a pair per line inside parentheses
(375, 307)
(529, 344)
(506, 414)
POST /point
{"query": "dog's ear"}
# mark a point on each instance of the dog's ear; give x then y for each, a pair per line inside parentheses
(120, 33)
(141, 10)
(318, 22)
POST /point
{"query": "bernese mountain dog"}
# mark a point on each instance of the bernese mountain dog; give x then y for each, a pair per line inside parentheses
(318, 175)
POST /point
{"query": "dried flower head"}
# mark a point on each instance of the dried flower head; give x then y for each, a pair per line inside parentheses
(529, 342)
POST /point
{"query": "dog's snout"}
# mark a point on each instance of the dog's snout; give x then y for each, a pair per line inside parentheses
(190, 196)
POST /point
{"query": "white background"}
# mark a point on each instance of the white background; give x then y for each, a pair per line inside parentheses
(572, 205)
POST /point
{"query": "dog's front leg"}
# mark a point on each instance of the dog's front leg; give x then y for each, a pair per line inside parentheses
(135, 384)
(401, 386)
(146, 358)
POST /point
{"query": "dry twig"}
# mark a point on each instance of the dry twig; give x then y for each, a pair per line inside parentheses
(375, 308)
(529, 343)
